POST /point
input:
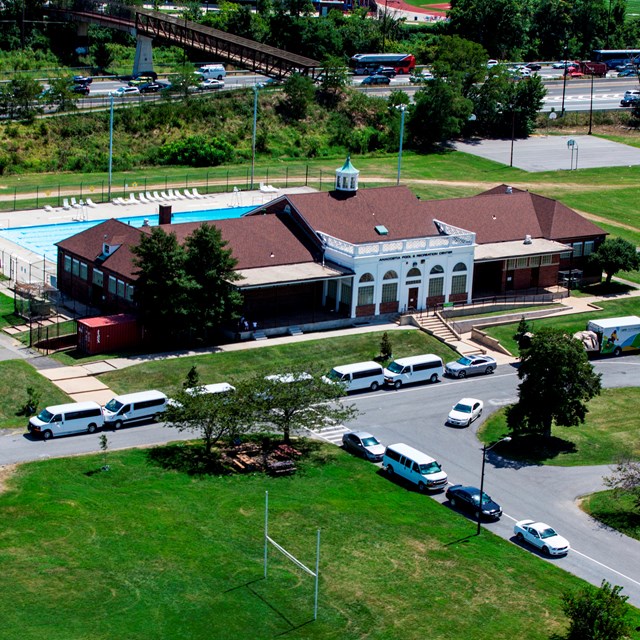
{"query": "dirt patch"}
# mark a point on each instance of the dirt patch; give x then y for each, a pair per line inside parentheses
(6, 472)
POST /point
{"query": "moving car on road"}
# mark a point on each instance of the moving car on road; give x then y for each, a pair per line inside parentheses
(124, 91)
(468, 499)
(542, 537)
(379, 79)
(211, 85)
(470, 365)
(363, 444)
(630, 98)
(465, 412)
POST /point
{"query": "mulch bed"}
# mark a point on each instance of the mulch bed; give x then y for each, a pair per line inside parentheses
(250, 457)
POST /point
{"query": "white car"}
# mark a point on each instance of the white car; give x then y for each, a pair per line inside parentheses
(465, 412)
(542, 537)
(211, 84)
(124, 91)
(492, 63)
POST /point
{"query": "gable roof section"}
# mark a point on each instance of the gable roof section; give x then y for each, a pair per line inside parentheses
(354, 217)
(88, 245)
(559, 222)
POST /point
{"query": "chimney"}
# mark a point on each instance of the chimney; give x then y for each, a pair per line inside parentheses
(509, 190)
(164, 215)
(527, 239)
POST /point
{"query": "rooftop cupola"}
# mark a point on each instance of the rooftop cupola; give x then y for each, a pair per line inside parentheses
(347, 177)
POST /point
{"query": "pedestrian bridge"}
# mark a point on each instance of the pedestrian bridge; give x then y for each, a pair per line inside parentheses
(218, 45)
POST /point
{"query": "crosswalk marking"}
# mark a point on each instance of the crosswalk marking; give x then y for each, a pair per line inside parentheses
(331, 434)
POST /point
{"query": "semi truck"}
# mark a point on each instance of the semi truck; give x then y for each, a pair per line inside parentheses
(611, 335)
(598, 69)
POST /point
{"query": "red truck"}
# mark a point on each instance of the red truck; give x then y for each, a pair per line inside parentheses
(598, 69)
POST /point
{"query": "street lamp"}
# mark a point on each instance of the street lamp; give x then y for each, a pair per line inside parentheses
(484, 459)
(256, 88)
(591, 104)
(513, 132)
(402, 108)
(110, 148)
(564, 80)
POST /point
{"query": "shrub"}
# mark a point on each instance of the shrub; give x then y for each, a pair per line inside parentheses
(197, 151)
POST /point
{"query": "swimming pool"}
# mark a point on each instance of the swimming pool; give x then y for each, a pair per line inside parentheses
(42, 239)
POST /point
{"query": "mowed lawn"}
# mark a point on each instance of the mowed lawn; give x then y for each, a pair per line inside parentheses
(569, 323)
(139, 552)
(318, 355)
(15, 377)
(610, 432)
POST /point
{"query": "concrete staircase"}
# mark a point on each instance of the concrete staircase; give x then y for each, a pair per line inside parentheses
(437, 327)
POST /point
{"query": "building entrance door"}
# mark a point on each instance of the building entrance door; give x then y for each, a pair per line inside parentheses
(413, 299)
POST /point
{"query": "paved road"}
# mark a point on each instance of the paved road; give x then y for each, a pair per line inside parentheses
(544, 493)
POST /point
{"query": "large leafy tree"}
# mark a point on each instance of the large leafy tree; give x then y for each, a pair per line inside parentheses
(60, 94)
(163, 288)
(460, 61)
(557, 381)
(19, 97)
(597, 614)
(298, 97)
(616, 254)
(297, 401)
(210, 267)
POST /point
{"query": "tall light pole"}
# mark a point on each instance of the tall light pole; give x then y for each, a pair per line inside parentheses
(484, 459)
(256, 88)
(591, 104)
(513, 132)
(402, 108)
(564, 81)
(110, 148)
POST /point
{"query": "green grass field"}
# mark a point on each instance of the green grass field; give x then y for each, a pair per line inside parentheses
(568, 323)
(320, 355)
(7, 317)
(610, 431)
(139, 552)
(15, 377)
(615, 510)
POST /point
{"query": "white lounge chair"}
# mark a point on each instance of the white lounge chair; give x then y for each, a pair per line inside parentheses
(149, 197)
(195, 193)
(188, 194)
(178, 194)
(75, 204)
(157, 196)
(91, 203)
(142, 198)
(65, 204)
(48, 208)
(164, 196)
(131, 199)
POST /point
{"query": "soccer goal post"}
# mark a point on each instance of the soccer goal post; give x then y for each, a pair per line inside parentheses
(268, 540)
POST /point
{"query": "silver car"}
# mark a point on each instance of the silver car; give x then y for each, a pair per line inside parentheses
(470, 365)
(364, 444)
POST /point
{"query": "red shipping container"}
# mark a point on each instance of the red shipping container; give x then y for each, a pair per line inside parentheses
(108, 333)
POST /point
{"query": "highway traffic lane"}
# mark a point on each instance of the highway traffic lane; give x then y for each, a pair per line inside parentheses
(540, 492)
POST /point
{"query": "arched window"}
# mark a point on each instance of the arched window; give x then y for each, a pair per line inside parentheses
(390, 289)
(366, 277)
(459, 283)
(436, 281)
(414, 276)
(365, 293)
(460, 267)
(390, 275)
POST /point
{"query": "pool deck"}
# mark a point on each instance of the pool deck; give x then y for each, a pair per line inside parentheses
(104, 211)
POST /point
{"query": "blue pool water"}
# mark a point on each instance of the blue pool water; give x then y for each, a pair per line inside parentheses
(43, 238)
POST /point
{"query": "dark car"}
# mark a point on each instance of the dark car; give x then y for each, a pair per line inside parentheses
(144, 77)
(468, 499)
(81, 88)
(82, 80)
(390, 72)
(152, 87)
(533, 66)
(379, 79)
(625, 73)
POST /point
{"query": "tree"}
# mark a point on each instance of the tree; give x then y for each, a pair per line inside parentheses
(102, 55)
(386, 350)
(597, 613)
(557, 381)
(60, 94)
(212, 415)
(163, 288)
(192, 379)
(19, 97)
(298, 92)
(210, 268)
(334, 76)
(616, 254)
(460, 61)
(297, 401)
(182, 78)
(626, 479)
(521, 331)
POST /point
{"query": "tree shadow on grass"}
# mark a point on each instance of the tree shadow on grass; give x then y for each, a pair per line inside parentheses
(189, 458)
(606, 290)
(529, 450)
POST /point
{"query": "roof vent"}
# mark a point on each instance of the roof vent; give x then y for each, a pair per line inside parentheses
(381, 230)
(509, 190)
(527, 239)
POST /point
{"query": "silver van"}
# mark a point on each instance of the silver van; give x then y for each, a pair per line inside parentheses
(416, 467)
(134, 407)
(65, 419)
(425, 368)
(358, 376)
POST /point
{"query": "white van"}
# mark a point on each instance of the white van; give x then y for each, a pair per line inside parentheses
(64, 419)
(425, 368)
(215, 71)
(358, 376)
(217, 387)
(413, 465)
(134, 407)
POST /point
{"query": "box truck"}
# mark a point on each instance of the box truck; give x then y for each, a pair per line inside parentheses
(611, 335)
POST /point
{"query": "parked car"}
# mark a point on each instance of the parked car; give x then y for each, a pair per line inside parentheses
(424, 76)
(563, 64)
(211, 85)
(153, 87)
(124, 91)
(470, 365)
(468, 499)
(625, 73)
(364, 444)
(81, 88)
(379, 79)
(465, 412)
(390, 72)
(533, 66)
(542, 537)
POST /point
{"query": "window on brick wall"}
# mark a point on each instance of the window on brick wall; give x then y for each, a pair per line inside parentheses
(120, 288)
(84, 272)
(390, 292)
(129, 293)
(589, 247)
(365, 295)
(67, 263)
(534, 261)
(436, 287)
(98, 278)
(548, 259)
(112, 284)
(459, 284)
(75, 267)
(577, 249)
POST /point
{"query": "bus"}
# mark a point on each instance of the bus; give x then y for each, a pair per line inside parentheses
(615, 57)
(365, 63)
